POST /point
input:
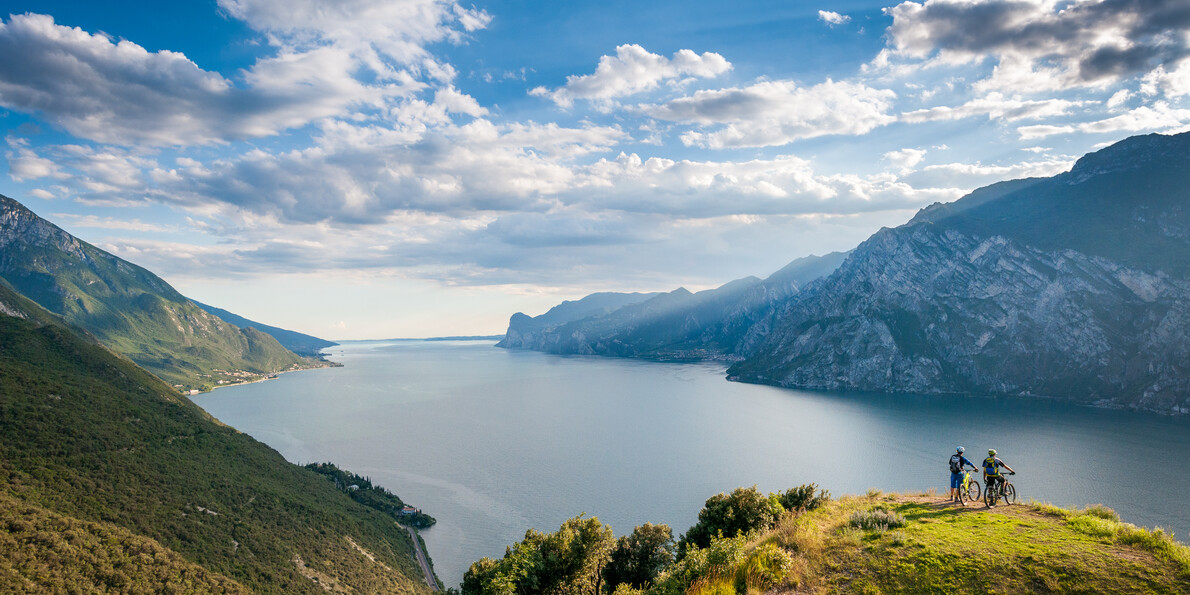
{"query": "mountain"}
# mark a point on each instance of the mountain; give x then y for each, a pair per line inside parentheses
(717, 323)
(130, 309)
(1075, 286)
(294, 341)
(115, 482)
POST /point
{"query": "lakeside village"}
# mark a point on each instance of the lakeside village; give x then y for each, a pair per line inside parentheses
(229, 378)
(362, 490)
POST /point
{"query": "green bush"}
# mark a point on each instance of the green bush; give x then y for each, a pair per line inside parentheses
(804, 497)
(729, 515)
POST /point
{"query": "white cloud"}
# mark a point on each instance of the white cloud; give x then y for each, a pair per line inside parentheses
(996, 107)
(1160, 117)
(1170, 84)
(397, 29)
(24, 164)
(905, 159)
(634, 70)
(972, 175)
(1119, 98)
(833, 18)
(775, 113)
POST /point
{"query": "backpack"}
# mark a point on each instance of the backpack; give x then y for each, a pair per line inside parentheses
(956, 463)
(991, 466)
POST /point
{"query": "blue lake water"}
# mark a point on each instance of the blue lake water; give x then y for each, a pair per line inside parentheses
(492, 442)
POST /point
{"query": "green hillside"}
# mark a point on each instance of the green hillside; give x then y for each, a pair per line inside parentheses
(86, 434)
(802, 542)
(130, 309)
(41, 551)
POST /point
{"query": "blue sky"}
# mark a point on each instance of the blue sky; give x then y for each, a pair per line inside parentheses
(384, 168)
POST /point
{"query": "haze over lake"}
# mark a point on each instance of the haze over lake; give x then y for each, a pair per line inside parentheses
(492, 442)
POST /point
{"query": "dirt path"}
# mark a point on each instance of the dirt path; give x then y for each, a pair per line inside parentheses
(421, 560)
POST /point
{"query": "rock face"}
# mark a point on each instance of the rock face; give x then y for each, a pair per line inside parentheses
(719, 323)
(1073, 287)
(129, 309)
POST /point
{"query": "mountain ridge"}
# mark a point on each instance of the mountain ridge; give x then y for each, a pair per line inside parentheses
(129, 308)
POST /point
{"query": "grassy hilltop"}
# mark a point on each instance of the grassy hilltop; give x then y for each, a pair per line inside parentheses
(747, 542)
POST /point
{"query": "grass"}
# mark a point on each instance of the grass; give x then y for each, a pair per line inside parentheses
(850, 545)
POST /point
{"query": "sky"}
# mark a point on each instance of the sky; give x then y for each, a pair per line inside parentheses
(360, 169)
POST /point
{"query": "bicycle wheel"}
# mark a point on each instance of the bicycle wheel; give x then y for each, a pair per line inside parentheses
(1009, 493)
(989, 496)
(973, 490)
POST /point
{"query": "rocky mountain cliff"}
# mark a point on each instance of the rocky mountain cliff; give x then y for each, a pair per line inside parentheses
(1074, 286)
(718, 323)
(128, 308)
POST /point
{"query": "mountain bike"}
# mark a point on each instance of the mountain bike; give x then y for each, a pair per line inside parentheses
(970, 490)
(1003, 491)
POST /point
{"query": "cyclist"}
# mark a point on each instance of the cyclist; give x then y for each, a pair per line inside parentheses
(957, 463)
(991, 470)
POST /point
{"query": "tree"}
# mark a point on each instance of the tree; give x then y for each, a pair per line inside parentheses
(569, 561)
(639, 557)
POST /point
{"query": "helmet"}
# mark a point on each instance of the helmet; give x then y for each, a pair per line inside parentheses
(960, 449)
(992, 452)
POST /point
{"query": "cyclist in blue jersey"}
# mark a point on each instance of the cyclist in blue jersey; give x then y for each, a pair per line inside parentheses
(957, 463)
(991, 470)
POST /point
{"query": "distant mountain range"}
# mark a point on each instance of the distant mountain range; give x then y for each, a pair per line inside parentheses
(133, 311)
(114, 482)
(717, 323)
(1075, 286)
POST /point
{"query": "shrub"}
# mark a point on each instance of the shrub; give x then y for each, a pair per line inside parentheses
(729, 515)
(876, 519)
(803, 497)
(1103, 512)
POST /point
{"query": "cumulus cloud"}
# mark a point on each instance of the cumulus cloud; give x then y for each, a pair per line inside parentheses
(1170, 83)
(833, 18)
(774, 113)
(119, 93)
(396, 29)
(905, 159)
(1043, 44)
(634, 70)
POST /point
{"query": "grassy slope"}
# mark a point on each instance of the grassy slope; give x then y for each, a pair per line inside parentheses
(947, 549)
(87, 434)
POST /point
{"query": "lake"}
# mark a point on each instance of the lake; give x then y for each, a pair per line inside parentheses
(492, 442)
